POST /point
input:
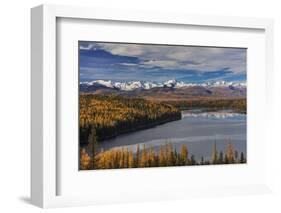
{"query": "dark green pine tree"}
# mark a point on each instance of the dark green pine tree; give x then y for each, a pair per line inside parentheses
(242, 158)
(176, 158)
(236, 155)
(202, 162)
(220, 160)
(93, 143)
(192, 160)
(214, 153)
(137, 159)
(226, 161)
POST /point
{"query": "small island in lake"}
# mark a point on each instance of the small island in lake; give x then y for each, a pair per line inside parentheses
(131, 117)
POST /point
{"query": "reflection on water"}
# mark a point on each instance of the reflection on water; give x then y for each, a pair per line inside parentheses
(211, 115)
(197, 129)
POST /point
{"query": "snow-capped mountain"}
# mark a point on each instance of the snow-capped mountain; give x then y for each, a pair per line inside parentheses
(108, 84)
(146, 85)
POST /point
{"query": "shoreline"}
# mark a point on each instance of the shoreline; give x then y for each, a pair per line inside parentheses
(141, 127)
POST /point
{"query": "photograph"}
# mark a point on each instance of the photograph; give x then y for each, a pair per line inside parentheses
(161, 105)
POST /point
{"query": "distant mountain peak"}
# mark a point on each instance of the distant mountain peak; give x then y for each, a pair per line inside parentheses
(146, 85)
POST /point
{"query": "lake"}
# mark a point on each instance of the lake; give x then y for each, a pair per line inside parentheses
(198, 129)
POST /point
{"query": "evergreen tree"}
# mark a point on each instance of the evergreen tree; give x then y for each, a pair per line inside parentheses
(144, 157)
(230, 153)
(176, 157)
(151, 158)
(236, 156)
(166, 153)
(126, 158)
(220, 160)
(242, 158)
(202, 160)
(214, 153)
(84, 160)
(131, 160)
(137, 160)
(226, 161)
(121, 159)
(170, 160)
(93, 143)
(161, 160)
(184, 155)
(192, 160)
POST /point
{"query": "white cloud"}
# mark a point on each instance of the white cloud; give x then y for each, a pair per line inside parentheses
(202, 59)
(160, 63)
(128, 64)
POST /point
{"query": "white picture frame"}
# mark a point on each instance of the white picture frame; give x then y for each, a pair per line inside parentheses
(44, 154)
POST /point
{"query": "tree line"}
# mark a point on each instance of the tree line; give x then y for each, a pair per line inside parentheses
(238, 104)
(144, 156)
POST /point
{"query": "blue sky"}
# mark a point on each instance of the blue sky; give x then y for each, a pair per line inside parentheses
(131, 62)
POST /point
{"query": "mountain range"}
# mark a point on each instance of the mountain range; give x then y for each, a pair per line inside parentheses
(132, 85)
(171, 88)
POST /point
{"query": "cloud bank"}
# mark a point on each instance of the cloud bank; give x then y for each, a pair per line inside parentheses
(119, 61)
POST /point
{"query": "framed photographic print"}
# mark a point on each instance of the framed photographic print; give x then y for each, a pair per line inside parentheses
(151, 105)
(130, 106)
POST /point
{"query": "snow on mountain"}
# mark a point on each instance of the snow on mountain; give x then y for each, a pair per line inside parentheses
(129, 86)
(132, 85)
(170, 83)
(108, 84)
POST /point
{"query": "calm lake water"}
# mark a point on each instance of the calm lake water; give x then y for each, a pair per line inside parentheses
(197, 129)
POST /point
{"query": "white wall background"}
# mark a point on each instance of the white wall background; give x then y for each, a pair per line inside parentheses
(15, 104)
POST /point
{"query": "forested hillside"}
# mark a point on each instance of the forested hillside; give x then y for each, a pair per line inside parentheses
(239, 105)
(104, 116)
